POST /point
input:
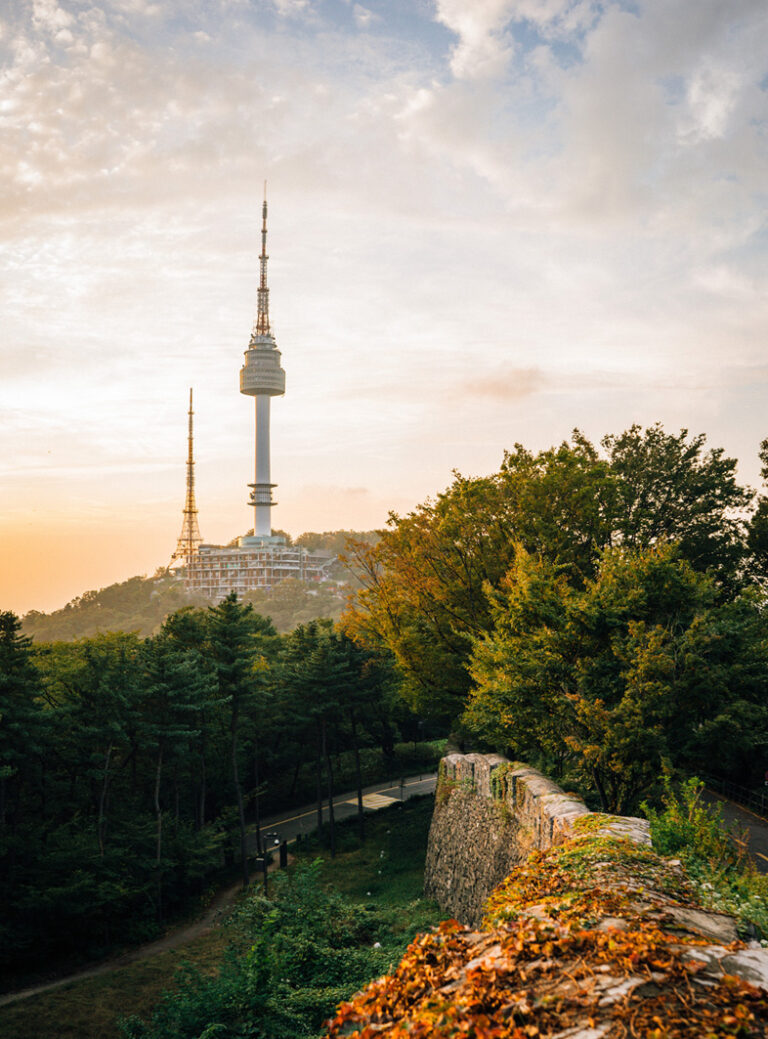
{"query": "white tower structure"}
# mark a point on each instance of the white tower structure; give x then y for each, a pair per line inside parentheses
(262, 377)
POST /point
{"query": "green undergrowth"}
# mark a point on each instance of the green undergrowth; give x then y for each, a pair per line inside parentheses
(278, 967)
(328, 928)
(712, 854)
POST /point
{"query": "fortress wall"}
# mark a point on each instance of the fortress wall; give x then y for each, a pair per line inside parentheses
(490, 814)
(589, 938)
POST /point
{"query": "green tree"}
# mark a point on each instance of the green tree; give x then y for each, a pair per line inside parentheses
(669, 488)
(175, 686)
(312, 675)
(20, 714)
(757, 534)
(95, 684)
(643, 665)
(187, 629)
(239, 642)
(425, 583)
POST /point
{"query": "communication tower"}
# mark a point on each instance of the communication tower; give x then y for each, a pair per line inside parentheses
(262, 377)
(189, 539)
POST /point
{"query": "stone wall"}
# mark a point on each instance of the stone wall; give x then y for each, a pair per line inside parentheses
(490, 814)
(592, 935)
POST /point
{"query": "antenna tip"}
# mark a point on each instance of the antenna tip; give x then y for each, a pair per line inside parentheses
(265, 191)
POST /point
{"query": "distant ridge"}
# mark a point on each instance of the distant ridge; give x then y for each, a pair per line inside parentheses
(141, 604)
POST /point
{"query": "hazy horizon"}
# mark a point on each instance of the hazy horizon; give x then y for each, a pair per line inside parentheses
(488, 224)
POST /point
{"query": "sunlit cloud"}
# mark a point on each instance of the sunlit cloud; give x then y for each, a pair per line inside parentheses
(489, 223)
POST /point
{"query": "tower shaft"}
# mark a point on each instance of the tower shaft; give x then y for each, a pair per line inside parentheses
(189, 538)
(262, 488)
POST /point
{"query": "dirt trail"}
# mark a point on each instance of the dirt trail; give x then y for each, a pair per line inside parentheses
(187, 933)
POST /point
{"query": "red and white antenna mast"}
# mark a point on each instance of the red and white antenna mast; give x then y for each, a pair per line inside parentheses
(189, 539)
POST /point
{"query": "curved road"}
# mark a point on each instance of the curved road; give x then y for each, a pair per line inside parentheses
(301, 821)
(286, 827)
(743, 819)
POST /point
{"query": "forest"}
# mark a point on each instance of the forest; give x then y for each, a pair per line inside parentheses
(596, 610)
(131, 768)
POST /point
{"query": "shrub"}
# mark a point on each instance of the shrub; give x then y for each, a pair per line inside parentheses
(712, 854)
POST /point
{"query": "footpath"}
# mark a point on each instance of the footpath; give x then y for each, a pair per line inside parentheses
(284, 827)
(298, 822)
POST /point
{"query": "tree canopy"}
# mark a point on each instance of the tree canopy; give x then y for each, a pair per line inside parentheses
(426, 581)
(642, 668)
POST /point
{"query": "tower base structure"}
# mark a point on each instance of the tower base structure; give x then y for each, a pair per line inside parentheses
(256, 562)
(260, 540)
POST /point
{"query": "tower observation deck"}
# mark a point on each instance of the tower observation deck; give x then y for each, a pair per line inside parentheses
(262, 377)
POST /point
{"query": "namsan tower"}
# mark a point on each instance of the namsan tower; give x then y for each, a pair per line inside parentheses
(262, 377)
(189, 539)
(260, 560)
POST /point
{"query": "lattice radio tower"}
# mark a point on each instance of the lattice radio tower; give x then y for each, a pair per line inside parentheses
(189, 539)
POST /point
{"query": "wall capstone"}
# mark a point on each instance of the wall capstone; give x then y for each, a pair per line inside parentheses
(490, 814)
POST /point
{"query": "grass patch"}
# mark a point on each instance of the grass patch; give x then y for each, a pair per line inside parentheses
(389, 868)
(90, 1009)
(374, 890)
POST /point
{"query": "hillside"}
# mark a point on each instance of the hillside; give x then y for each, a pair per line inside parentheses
(141, 604)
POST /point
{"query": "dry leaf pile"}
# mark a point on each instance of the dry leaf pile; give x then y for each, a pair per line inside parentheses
(595, 939)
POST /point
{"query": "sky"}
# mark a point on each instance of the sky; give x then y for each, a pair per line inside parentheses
(489, 223)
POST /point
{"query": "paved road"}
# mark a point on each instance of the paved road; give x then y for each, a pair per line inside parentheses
(744, 819)
(289, 825)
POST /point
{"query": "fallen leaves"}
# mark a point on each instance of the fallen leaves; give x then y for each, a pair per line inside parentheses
(551, 973)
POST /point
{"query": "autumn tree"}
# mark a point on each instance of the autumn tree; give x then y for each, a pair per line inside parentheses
(425, 583)
(644, 665)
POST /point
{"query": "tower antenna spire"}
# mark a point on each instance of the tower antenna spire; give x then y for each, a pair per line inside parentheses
(261, 327)
(189, 539)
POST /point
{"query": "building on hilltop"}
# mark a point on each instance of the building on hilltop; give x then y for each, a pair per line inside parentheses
(215, 571)
(261, 559)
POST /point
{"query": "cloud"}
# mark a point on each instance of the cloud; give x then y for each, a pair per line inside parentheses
(712, 96)
(505, 384)
(484, 49)
(555, 204)
(291, 8)
(364, 17)
(558, 18)
(47, 15)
